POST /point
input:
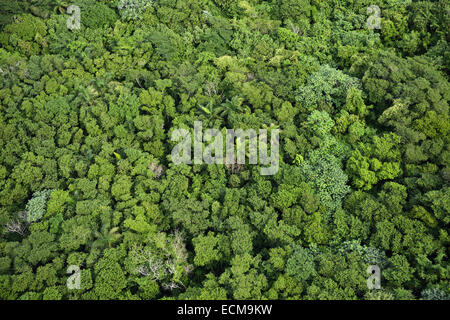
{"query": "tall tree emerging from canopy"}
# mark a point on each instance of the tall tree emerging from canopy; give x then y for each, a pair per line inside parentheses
(325, 172)
(326, 90)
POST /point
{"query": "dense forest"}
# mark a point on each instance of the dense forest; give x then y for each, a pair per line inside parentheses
(358, 89)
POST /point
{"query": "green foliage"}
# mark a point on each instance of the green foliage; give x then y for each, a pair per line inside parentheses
(326, 90)
(25, 28)
(133, 9)
(206, 250)
(36, 206)
(96, 14)
(225, 4)
(301, 264)
(326, 174)
(106, 237)
(8, 9)
(86, 120)
(434, 294)
(25, 34)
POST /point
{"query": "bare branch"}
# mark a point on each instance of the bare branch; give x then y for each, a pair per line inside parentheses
(170, 286)
(16, 226)
(158, 170)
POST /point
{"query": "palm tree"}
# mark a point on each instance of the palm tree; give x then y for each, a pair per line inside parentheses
(60, 6)
(212, 112)
(230, 107)
(106, 237)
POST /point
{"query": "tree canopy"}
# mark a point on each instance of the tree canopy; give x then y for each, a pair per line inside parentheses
(87, 178)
